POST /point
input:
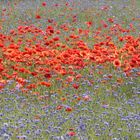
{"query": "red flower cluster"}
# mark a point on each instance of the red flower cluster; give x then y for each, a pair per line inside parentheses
(44, 56)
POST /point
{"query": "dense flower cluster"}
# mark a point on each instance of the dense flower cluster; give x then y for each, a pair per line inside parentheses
(44, 57)
(69, 70)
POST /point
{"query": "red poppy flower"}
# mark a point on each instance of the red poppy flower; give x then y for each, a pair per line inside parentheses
(34, 73)
(38, 17)
(1, 68)
(89, 24)
(45, 84)
(70, 78)
(1, 45)
(71, 133)
(47, 75)
(78, 76)
(44, 3)
(31, 86)
(68, 109)
(76, 86)
(117, 63)
(59, 107)
(111, 20)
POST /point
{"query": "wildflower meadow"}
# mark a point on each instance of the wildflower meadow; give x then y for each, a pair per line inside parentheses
(69, 69)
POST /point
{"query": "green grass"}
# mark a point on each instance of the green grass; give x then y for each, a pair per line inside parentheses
(28, 107)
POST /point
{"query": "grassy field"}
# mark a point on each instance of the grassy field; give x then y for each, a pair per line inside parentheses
(69, 70)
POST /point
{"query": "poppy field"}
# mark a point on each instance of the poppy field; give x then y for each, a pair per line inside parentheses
(69, 70)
